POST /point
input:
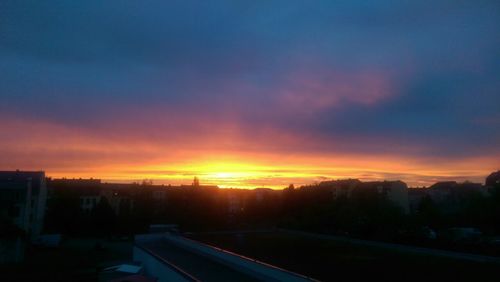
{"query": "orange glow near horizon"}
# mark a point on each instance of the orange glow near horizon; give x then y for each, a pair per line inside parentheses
(277, 176)
(228, 158)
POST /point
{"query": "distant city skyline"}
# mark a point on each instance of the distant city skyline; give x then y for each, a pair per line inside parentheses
(231, 181)
(251, 94)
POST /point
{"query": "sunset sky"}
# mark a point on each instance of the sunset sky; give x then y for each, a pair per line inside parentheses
(251, 93)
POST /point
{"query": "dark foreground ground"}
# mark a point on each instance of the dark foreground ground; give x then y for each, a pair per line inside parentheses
(319, 258)
(74, 260)
(331, 260)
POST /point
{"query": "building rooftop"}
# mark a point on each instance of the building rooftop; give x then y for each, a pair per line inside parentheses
(197, 261)
(200, 267)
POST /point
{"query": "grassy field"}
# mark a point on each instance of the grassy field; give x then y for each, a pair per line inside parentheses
(74, 260)
(329, 260)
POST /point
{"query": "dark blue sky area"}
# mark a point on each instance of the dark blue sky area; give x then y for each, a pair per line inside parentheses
(412, 78)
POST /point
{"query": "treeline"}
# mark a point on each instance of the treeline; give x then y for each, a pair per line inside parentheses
(64, 215)
(370, 215)
(192, 208)
(471, 209)
(364, 213)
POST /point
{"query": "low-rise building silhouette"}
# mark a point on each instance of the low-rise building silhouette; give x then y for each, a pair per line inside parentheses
(395, 191)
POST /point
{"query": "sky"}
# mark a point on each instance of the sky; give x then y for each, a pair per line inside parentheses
(251, 93)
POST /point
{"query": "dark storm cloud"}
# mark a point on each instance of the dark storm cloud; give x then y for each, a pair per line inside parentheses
(412, 73)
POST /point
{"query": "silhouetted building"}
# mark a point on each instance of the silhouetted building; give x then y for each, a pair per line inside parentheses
(74, 183)
(159, 195)
(87, 190)
(452, 189)
(395, 191)
(441, 191)
(89, 202)
(340, 188)
(23, 197)
(119, 196)
(262, 193)
(449, 195)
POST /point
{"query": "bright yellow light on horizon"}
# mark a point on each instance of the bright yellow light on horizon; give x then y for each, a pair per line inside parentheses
(223, 175)
(272, 172)
(226, 175)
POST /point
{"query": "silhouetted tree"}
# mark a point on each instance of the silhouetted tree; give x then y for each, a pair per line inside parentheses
(196, 182)
(428, 213)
